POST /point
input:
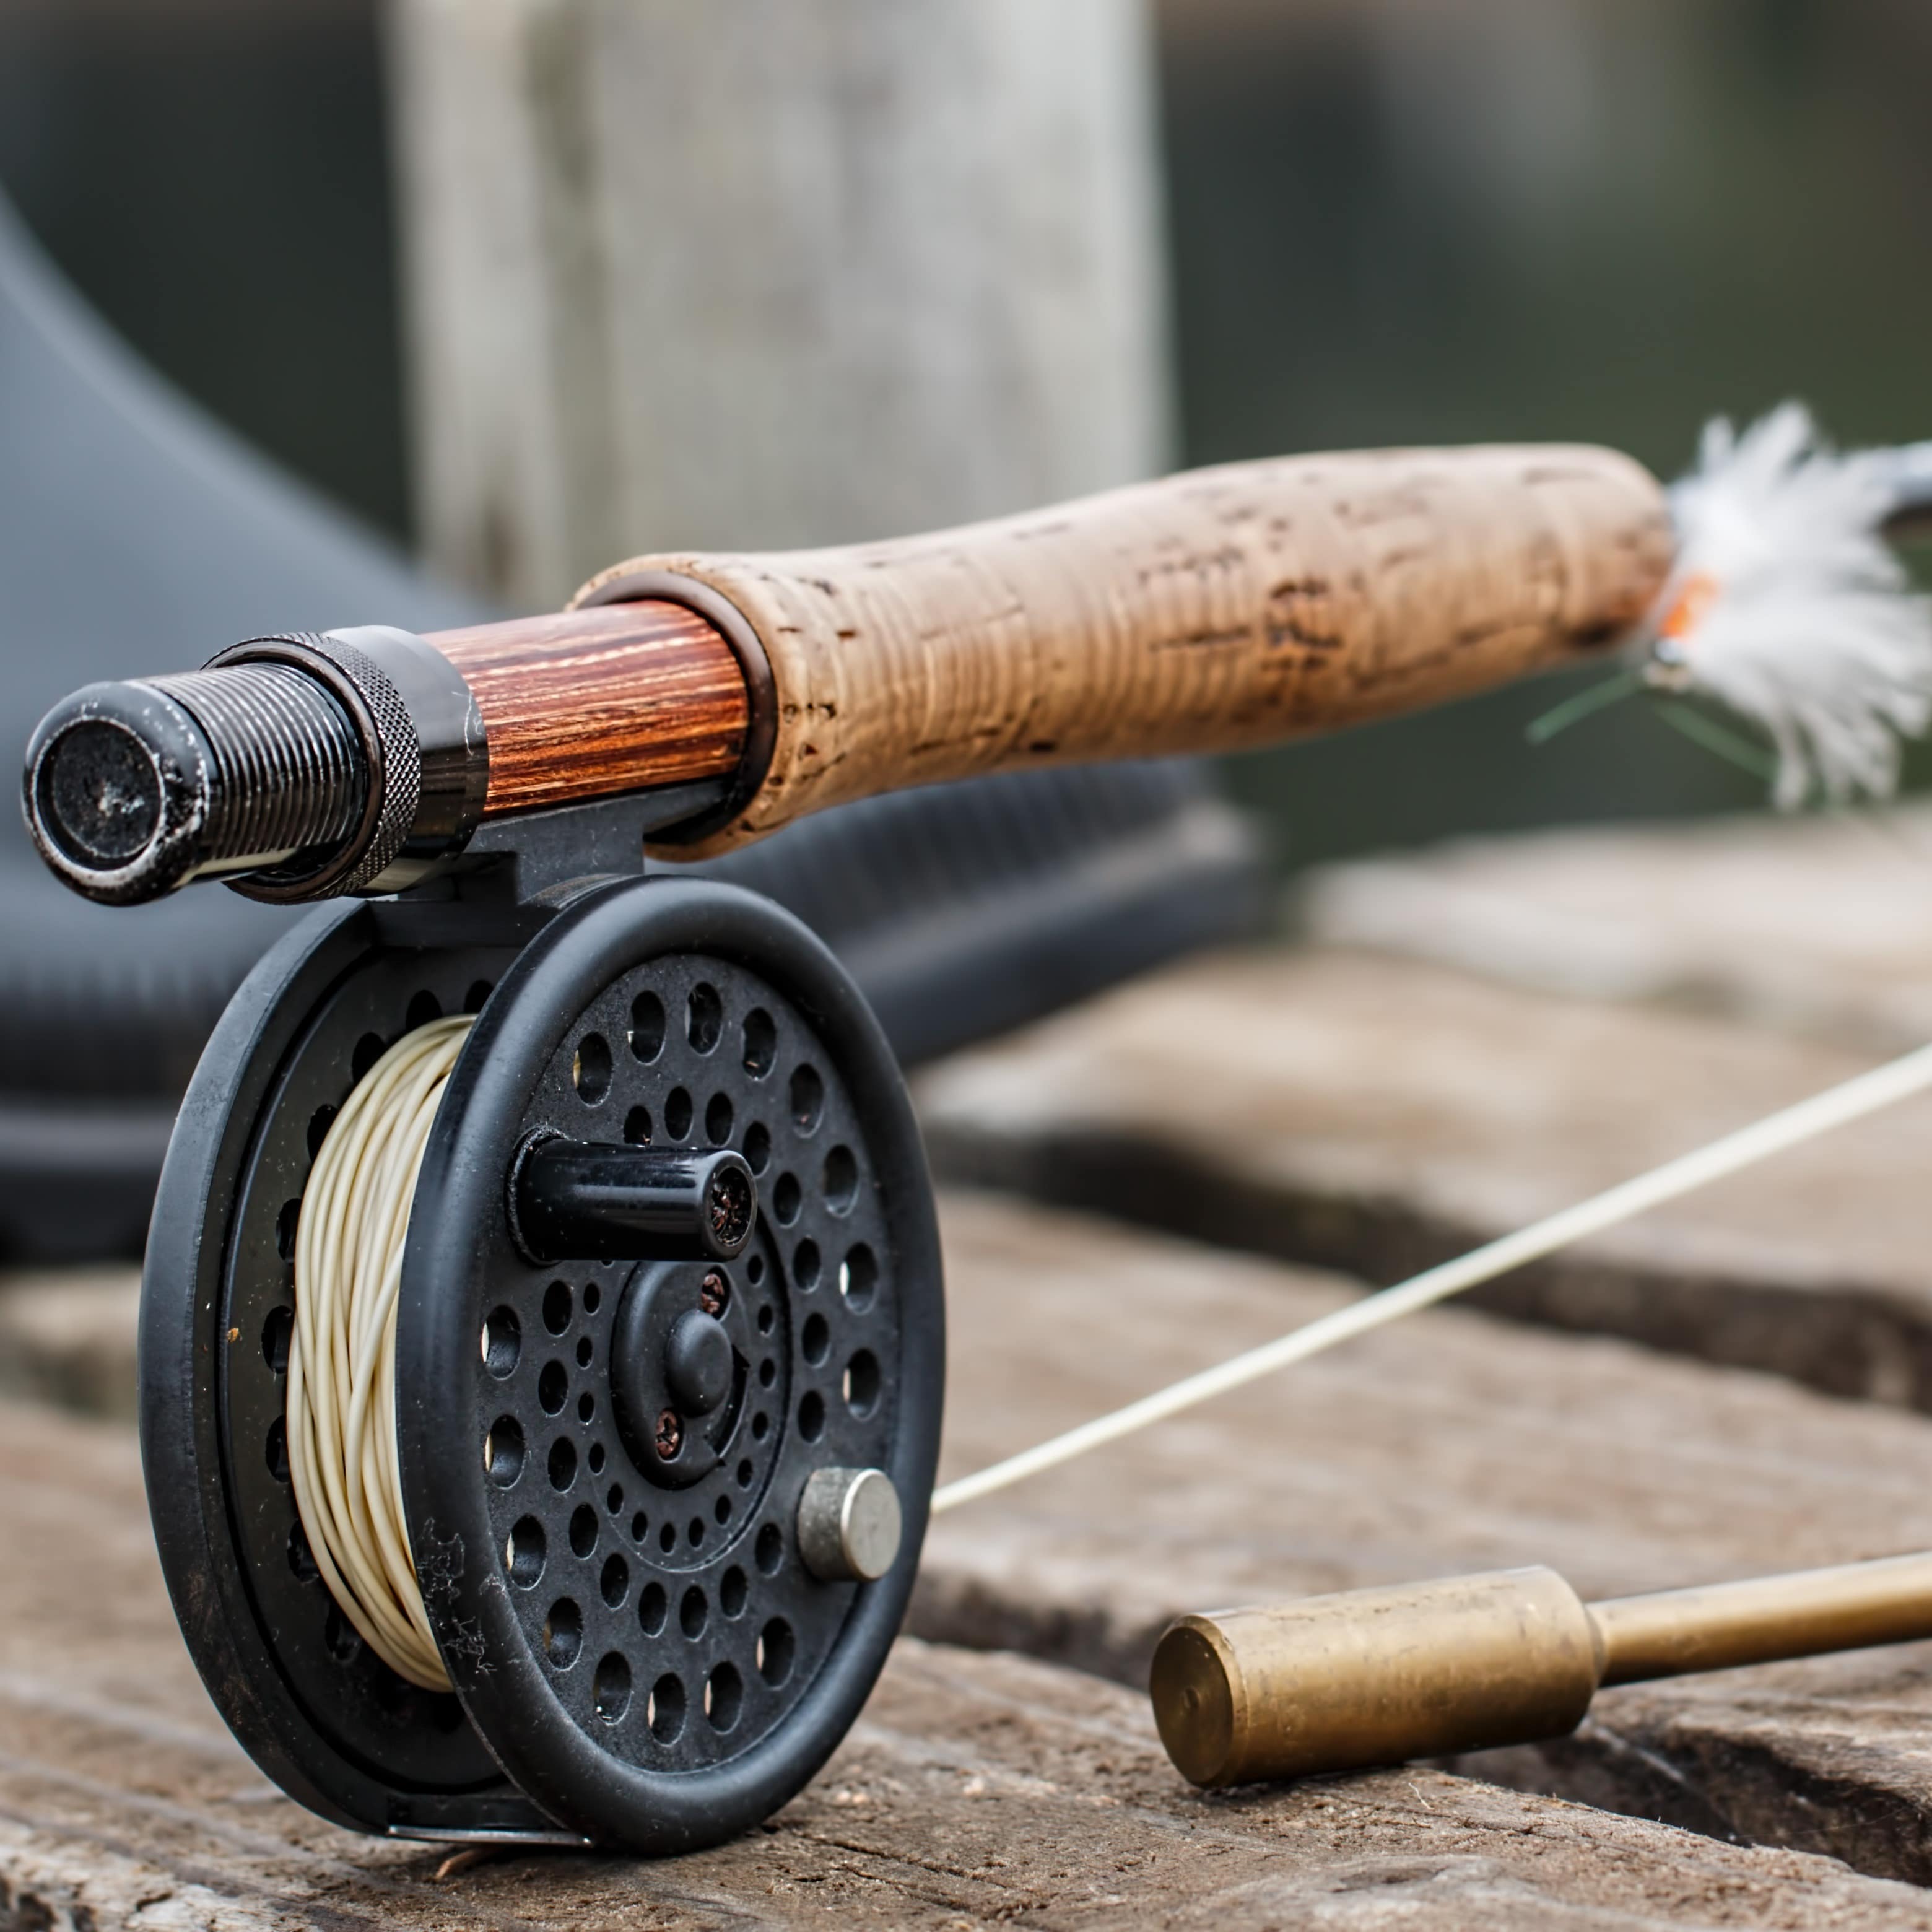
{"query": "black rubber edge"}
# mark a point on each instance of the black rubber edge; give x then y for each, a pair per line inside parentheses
(180, 1371)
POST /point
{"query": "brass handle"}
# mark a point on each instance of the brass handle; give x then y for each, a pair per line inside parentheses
(1377, 1676)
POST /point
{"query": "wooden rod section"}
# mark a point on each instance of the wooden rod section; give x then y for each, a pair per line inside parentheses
(585, 704)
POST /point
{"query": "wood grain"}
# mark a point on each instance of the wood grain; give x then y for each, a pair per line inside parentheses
(1224, 607)
(1380, 1115)
(589, 703)
(976, 1791)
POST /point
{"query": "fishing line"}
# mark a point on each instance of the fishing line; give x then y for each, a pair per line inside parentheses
(341, 1414)
(1791, 1126)
(354, 1216)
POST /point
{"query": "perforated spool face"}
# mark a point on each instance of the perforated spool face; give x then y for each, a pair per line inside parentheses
(397, 1732)
(650, 1554)
(616, 1585)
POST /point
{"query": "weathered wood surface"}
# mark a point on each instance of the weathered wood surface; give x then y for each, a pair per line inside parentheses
(67, 1336)
(976, 1790)
(1452, 1442)
(1819, 925)
(1378, 1114)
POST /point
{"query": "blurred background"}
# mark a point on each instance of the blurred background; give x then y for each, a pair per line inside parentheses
(1383, 220)
(491, 292)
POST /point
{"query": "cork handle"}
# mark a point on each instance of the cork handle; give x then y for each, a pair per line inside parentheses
(1224, 607)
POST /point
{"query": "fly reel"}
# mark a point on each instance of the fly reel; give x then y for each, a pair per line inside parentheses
(668, 1356)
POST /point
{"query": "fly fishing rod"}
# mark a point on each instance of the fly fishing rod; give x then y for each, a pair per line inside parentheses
(542, 1325)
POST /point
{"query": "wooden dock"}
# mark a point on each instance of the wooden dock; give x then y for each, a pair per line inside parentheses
(1737, 1385)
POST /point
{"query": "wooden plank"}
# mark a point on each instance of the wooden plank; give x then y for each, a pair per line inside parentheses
(1451, 1442)
(1819, 925)
(1378, 1114)
(977, 1790)
(67, 1336)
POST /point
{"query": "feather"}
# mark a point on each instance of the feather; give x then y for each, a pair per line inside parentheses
(1787, 605)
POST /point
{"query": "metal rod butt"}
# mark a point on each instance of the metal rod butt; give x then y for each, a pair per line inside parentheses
(1462, 1664)
(1373, 1676)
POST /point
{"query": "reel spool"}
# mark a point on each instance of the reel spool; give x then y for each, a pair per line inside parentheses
(640, 1553)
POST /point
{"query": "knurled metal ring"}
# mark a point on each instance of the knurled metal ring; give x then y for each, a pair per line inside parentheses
(382, 721)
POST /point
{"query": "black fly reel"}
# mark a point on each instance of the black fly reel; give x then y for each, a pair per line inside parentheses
(650, 1501)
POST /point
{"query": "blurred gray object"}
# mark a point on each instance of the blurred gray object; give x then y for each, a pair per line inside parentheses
(136, 535)
(759, 277)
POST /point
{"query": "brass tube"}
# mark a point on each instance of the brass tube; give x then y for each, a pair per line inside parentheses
(1373, 1676)
(1369, 1677)
(1721, 1626)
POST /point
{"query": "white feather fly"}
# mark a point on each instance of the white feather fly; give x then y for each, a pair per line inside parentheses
(1787, 605)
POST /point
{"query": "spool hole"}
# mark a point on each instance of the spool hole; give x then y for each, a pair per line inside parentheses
(723, 1696)
(704, 1017)
(502, 1342)
(815, 1339)
(524, 1555)
(761, 1042)
(808, 1098)
(278, 1331)
(614, 1585)
(503, 1451)
(840, 1180)
(646, 1036)
(786, 1195)
(582, 1530)
(665, 1712)
(777, 1648)
(563, 1632)
(610, 1689)
(861, 1383)
(859, 1277)
(590, 1069)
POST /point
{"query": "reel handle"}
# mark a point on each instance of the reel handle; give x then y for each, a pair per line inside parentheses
(1464, 1663)
(1217, 609)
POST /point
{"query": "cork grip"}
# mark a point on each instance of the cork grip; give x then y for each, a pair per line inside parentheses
(1221, 608)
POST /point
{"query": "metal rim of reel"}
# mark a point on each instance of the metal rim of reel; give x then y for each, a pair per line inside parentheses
(385, 1771)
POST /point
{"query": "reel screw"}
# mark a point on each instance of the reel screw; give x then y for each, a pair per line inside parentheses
(714, 1294)
(669, 1438)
